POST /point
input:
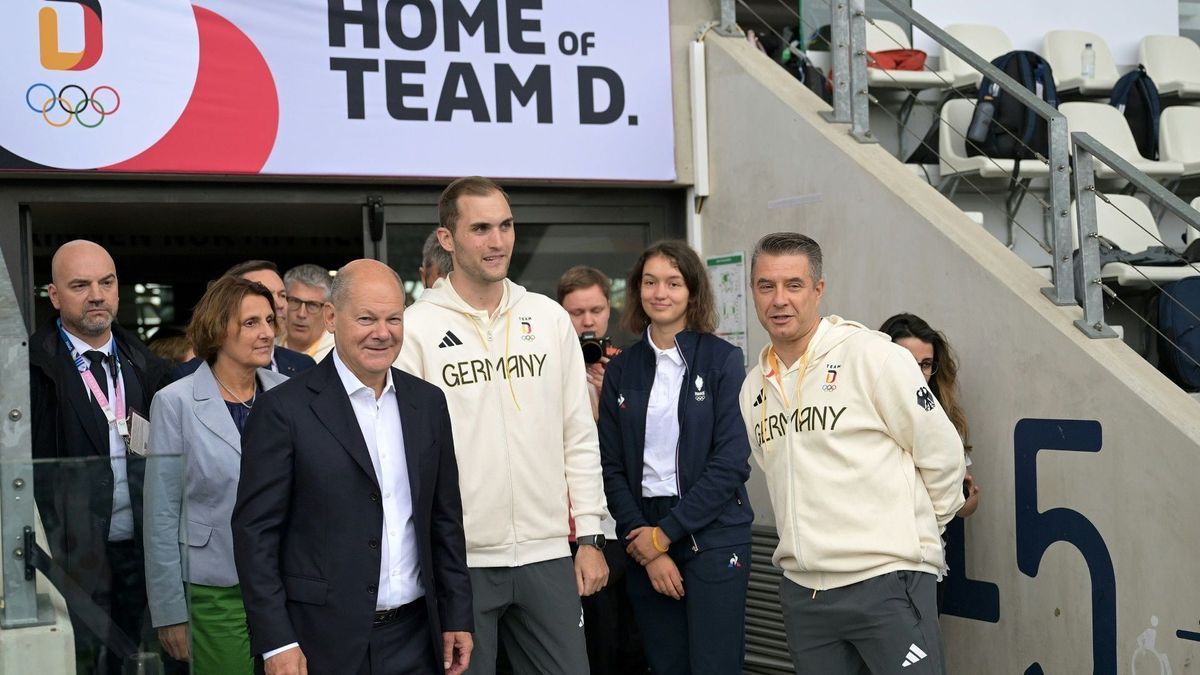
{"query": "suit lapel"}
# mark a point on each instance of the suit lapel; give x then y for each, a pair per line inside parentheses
(90, 417)
(332, 407)
(415, 440)
(210, 408)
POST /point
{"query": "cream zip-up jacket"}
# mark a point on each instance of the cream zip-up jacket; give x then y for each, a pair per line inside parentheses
(863, 467)
(523, 429)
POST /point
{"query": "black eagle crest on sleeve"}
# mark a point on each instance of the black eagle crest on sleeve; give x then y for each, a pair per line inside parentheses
(925, 399)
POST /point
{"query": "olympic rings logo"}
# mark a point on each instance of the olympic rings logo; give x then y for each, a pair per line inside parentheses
(74, 111)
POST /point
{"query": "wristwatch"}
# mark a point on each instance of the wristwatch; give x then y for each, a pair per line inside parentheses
(596, 540)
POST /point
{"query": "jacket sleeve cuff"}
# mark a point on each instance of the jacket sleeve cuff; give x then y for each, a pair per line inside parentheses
(671, 527)
(586, 525)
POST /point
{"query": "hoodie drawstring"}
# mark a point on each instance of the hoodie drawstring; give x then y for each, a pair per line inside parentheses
(773, 362)
(512, 392)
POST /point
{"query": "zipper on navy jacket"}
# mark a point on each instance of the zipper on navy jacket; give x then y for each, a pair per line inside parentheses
(687, 374)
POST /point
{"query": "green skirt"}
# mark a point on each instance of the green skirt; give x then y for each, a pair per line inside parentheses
(220, 640)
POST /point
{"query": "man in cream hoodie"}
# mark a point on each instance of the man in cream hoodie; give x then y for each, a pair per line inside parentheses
(528, 456)
(864, 471)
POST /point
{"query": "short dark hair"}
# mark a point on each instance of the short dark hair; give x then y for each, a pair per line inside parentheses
(790, 243)
(476, 186)
(580, 277)
(210, 320)
(702, 306)
(246, 267)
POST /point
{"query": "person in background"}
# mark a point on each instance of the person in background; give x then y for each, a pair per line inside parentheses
(171, 344)
(613, 642)
(89, 378)
(864, 471)
(435, 261)
(283, 360)
(676, 459)
(308, 288)
(196, 423)
(936, 359)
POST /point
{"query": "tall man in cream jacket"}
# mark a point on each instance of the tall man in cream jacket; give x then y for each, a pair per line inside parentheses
(513, 373)
(864, 471)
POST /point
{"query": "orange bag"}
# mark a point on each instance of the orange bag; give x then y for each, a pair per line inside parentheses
(897, 59)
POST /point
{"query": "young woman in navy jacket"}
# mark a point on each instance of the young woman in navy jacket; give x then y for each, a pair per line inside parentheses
(676, 459)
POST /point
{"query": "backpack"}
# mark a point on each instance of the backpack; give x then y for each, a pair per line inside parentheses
(1179, 325)
(1136, 96)
(1004, 128)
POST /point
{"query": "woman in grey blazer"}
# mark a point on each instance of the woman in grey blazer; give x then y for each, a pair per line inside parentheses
(192, 478)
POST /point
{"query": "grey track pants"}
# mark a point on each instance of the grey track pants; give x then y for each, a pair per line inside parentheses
(536, 610)
(884, 625)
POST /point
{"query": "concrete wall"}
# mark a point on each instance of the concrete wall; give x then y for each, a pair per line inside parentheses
(892, 243)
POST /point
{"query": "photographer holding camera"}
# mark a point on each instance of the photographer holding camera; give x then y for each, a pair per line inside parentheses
(583, 291)
(612, 638)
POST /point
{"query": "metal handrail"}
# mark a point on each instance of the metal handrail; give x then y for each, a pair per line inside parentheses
(1063, 290)
(1086, 150)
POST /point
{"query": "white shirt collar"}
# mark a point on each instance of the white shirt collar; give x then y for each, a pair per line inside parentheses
(83, 347)
(351, 382)
(672, 353)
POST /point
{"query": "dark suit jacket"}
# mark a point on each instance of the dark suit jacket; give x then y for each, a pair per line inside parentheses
(287, 362)
(308, 518)
(75, 499)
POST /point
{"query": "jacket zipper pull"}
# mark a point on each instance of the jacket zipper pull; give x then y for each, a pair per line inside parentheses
(695, 546)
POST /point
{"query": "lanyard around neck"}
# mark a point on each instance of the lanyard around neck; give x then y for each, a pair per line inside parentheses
(116, 417)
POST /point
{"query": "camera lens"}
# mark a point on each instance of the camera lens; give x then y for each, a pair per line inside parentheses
(592, 351)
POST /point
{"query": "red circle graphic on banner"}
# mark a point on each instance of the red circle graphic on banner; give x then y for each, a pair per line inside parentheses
(230, 122)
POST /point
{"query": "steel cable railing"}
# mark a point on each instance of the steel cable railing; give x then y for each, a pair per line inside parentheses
(1010, 214)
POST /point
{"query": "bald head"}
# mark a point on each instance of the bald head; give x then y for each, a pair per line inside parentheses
(83, 289)
(78, 253)
(363, 271)
(366, 316)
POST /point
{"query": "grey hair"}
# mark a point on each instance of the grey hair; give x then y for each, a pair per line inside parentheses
(432, 253)
(310, 275)
(790, 243)
(342, 281)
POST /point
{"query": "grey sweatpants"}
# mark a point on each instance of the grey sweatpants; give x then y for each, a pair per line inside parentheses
(884, 625)
(536, 610)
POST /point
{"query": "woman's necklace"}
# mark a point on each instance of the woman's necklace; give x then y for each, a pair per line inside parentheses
(248, 403)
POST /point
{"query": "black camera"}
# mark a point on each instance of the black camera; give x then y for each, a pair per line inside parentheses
(594, 348)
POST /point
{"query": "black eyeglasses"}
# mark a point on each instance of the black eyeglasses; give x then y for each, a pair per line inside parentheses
(929, 366)
(311, 305)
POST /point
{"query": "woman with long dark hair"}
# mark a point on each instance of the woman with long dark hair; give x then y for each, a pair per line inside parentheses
(676, 459)
(940, 368)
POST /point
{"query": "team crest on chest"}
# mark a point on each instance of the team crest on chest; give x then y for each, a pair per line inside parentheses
(700, 393)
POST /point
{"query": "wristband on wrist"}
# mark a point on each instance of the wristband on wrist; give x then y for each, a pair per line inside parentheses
(654, 540)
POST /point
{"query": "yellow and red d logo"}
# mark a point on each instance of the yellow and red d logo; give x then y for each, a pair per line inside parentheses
(93, 38)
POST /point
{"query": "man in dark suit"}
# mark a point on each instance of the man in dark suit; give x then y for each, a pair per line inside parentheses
(347, 531)
(87, 377)
(283, 361)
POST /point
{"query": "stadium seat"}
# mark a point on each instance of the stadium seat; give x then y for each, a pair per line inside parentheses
(1179, 138)
(885, 35)
(952, 141)
(1107, 125)
(1173, 62)
(1064, 50)
(988, 42)
(1129, 224)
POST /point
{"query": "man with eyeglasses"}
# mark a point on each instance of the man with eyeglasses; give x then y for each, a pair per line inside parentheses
(864, 471)
(308, 288)
(283, 360)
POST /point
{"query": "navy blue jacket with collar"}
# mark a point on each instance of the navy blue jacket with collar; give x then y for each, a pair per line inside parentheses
(713, 458)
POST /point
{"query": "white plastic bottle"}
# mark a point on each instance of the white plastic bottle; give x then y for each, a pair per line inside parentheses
(1088, 65)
